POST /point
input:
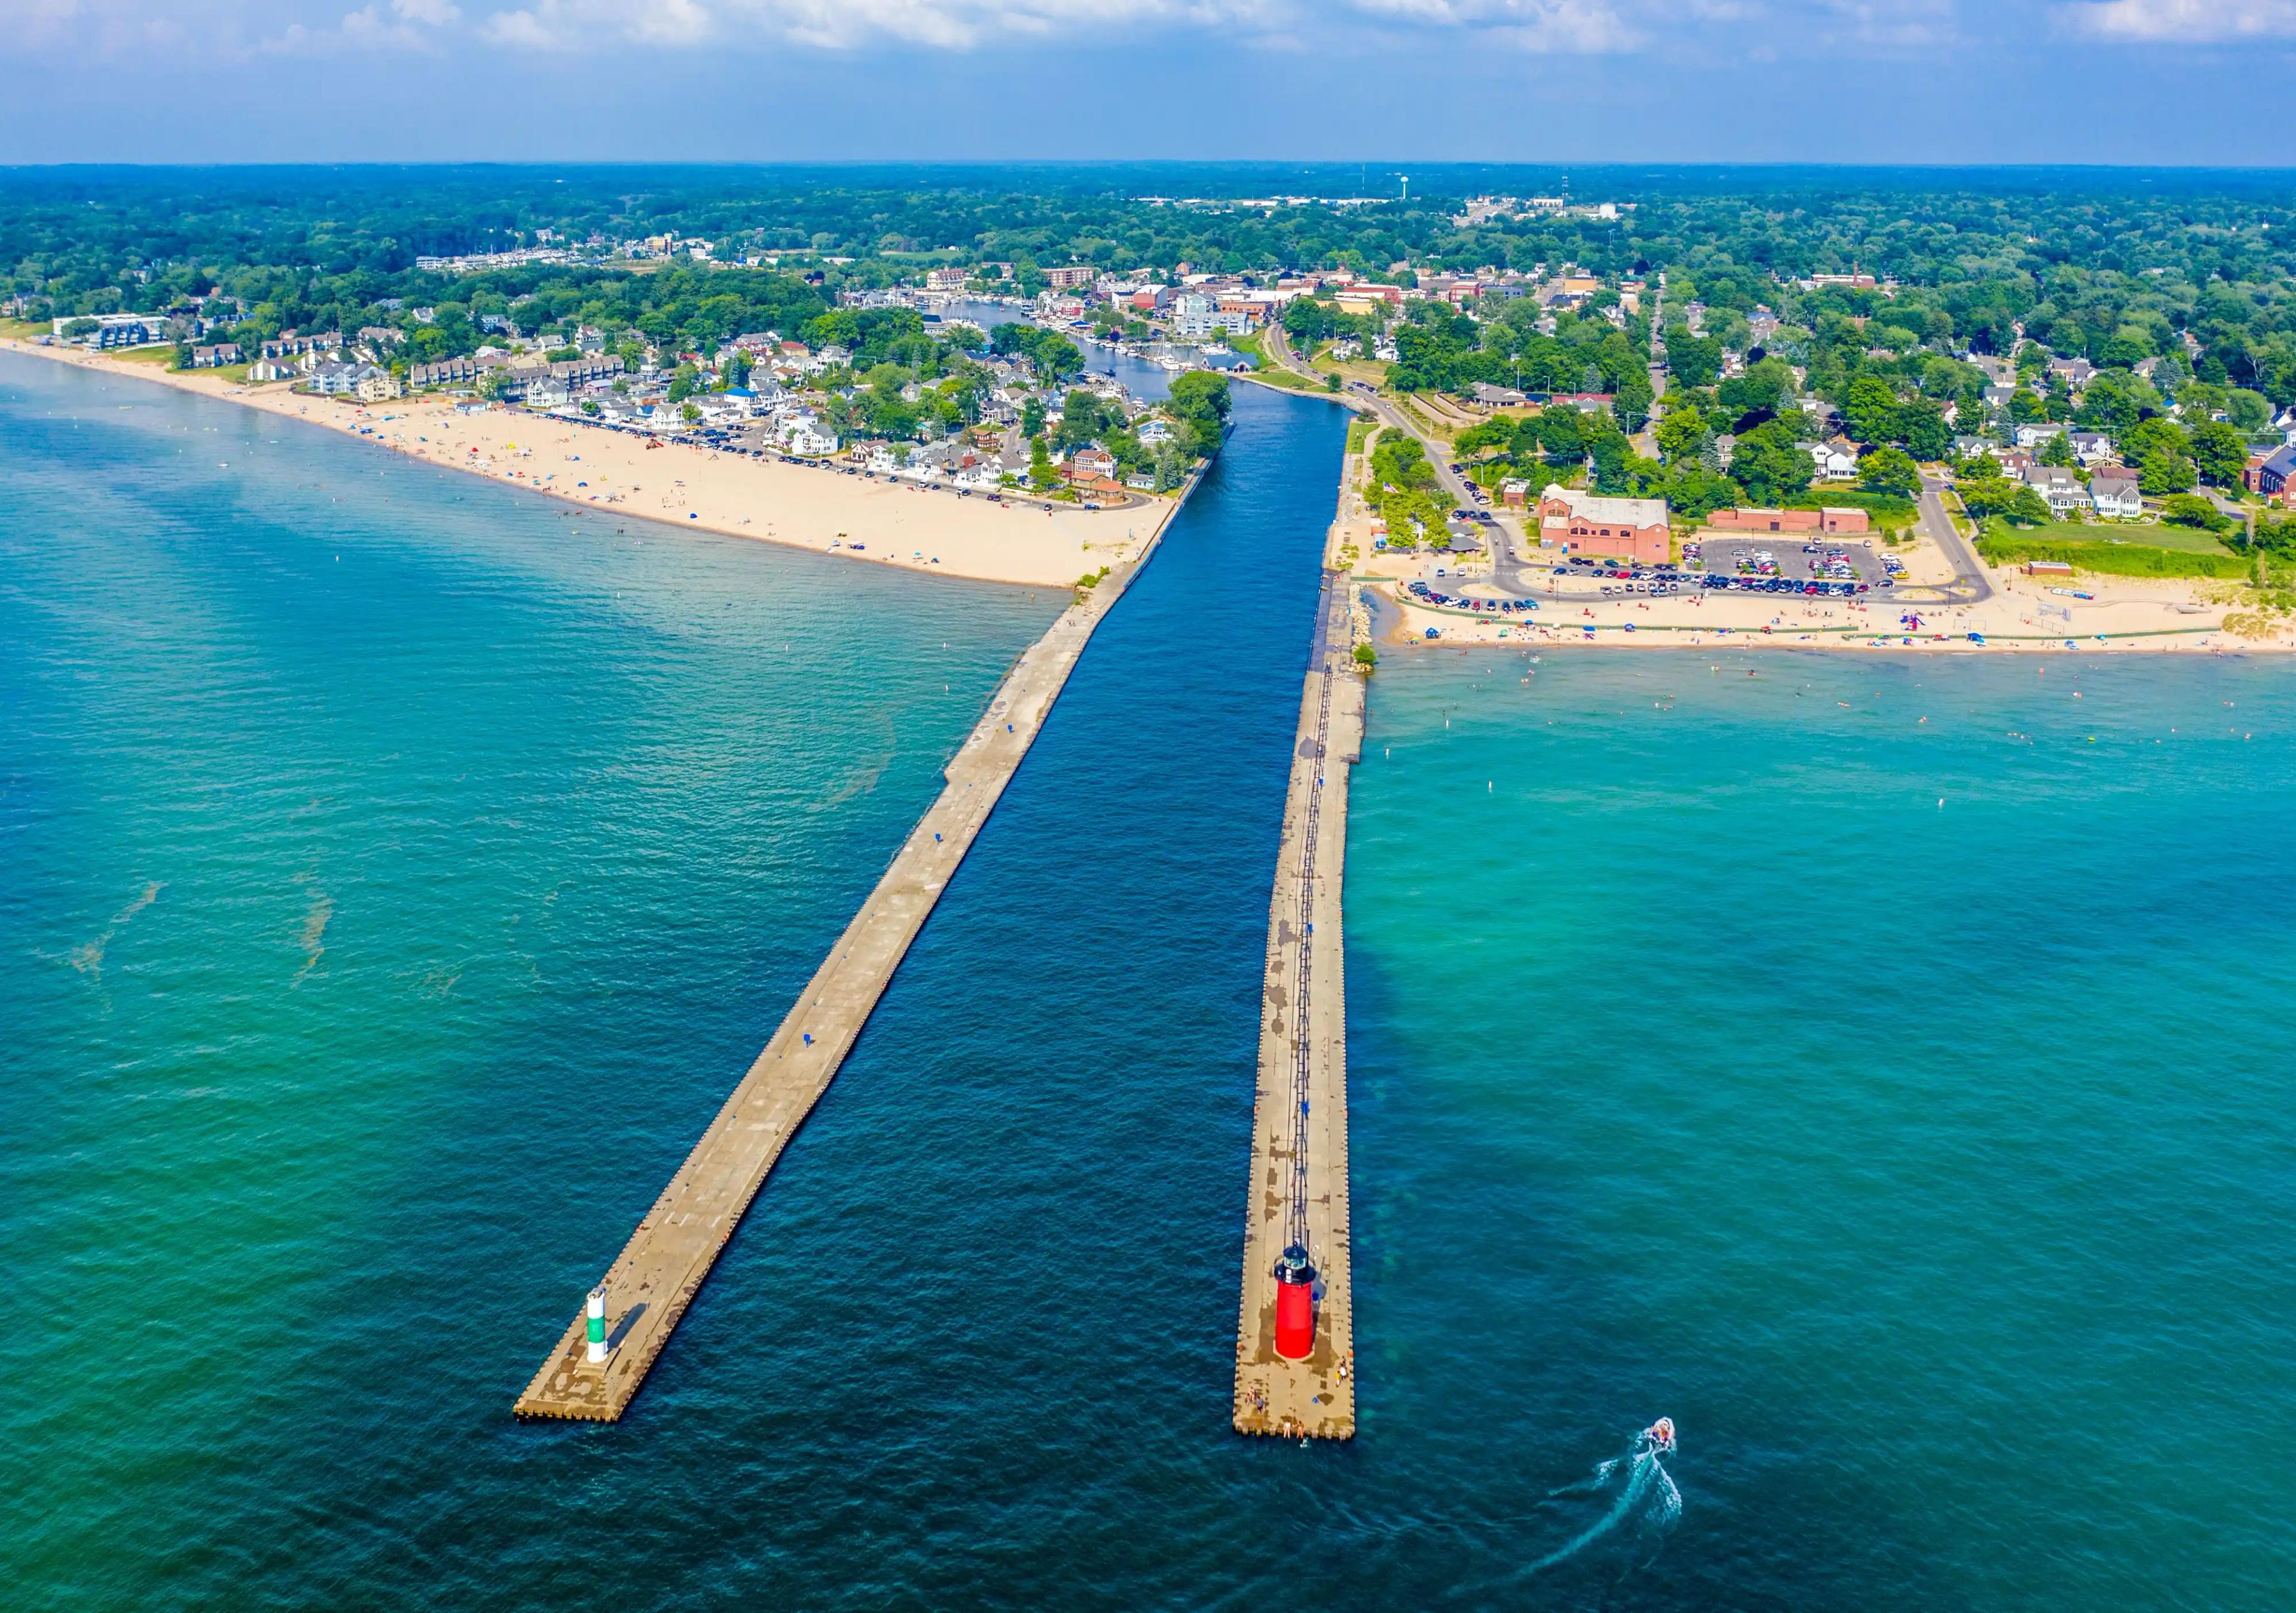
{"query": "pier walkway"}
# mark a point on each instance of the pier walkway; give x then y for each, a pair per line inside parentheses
(655, 1280)
(1303, 1059)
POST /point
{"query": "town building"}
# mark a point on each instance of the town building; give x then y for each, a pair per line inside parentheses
(1587, 523)
(1832, 519)
(2272, 477)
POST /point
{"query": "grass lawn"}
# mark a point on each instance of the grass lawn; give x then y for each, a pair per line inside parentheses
(159, 357)
(2186, 539)
(2121, 551)
(23, 330)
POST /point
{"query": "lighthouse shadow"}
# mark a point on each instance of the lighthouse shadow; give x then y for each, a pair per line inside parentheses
(629, 1319)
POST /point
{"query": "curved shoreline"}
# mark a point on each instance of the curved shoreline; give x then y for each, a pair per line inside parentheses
(686, 484)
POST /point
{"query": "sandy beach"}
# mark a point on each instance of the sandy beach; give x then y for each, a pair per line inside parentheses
(880, 521)
(2137, 617)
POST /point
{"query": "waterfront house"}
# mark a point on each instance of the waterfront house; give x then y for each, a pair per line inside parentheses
(2062, 488)
(271, 369)
(2116, 497)
(216, 356)
(1091, 464)
(445, 372)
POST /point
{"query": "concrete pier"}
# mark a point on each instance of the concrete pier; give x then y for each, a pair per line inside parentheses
(650, 1285)
(1303, 1058)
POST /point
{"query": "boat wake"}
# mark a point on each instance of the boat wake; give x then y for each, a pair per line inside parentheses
(1646, 1498)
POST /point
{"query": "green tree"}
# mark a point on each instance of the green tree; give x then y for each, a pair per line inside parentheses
(1770, 465)
(1921, 427)
(2165, 474)
(1308, 320)
(1888, 470)
(1681, 432)
(1200, 402)
(1870, 412)
(1611, 456)
(1561, 431)
(1630, 404)
(1696, 491)
(1692, 360)
(2251, 411)
(2190, 509)
(2219, 453)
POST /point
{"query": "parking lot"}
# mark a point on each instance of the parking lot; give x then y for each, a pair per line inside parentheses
(1789, 557)
(1754, 565)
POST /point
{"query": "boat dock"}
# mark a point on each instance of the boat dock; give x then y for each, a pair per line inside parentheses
(646, 1291)
(1299, 1186)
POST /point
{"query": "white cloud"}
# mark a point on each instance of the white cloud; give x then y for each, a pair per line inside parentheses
(842, 24)
(2181, 21)
(399, 25)
(1367, 30)
(1535, 25)
(1573, 25)
(570, 25)
(1887, 24)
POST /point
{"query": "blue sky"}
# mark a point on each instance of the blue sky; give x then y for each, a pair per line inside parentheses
(1946, 81)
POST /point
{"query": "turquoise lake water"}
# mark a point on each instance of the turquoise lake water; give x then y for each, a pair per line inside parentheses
(382, 929)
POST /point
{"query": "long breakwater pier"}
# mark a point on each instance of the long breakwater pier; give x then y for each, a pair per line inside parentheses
(1295, 1330)
(611, 1345)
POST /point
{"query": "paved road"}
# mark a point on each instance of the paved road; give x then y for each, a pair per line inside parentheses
(1509, 573)
(1970, 585)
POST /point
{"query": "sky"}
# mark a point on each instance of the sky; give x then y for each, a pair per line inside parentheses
(2174, 82)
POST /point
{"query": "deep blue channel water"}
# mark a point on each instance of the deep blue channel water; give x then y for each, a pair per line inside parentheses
(381, 929)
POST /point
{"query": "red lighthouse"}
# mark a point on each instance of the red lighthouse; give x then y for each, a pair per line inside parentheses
(1295, 1304)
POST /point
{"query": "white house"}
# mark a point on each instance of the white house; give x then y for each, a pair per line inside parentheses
(2035, 432)
(1836, 461)
(805, 439)
(2116, 499)
(2058, 487)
